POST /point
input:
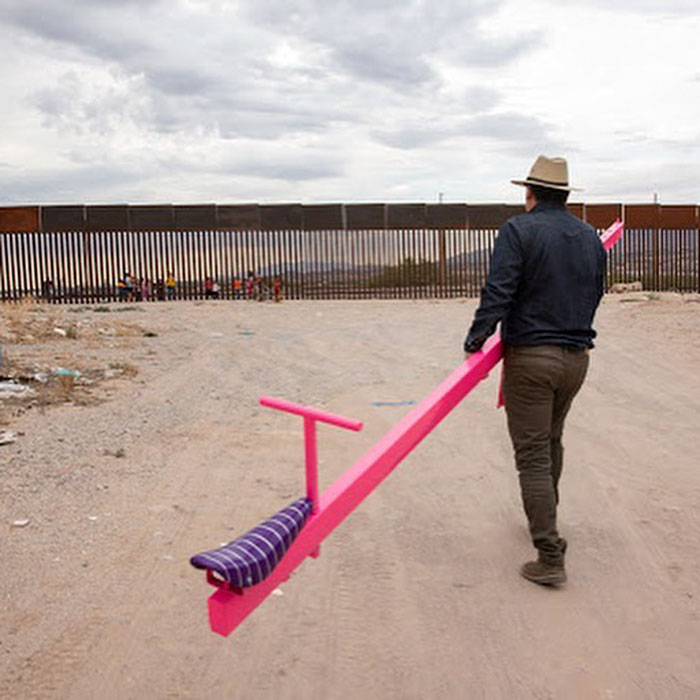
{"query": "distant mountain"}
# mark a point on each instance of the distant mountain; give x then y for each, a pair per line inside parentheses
(310, 268)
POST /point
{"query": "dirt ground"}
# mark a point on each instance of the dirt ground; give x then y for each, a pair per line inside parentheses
(158, 449)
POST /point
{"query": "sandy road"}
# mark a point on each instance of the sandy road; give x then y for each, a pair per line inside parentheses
(416, 595)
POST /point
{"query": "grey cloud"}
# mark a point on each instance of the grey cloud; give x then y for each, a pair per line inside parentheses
(663, 7)
(446, 120)
(272, 161)
(184, 81)
(680, 177)
(98, 176)
(301, 170)
(384, 64)
(506, 126)
(649, 141)
(418, 136)
(391, 42)
(129, 34)
(187, 79)
(210, 71)
(494, 54)
(70, 184)
(73, 104)
(517, 134)
(479, 99)
(66, 23)
(300, 80)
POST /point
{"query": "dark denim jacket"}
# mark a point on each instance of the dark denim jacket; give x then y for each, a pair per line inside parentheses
(545, 281)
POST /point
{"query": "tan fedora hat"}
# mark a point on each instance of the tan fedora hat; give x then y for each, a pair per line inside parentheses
(548, 172)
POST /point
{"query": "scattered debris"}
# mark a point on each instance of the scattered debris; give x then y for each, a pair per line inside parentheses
(66, 377)
(626, 287)
(129, 308)
(7, 437)
(119, 453)
(119, 369)
(409, 402)
(14, 390)
(63, 372)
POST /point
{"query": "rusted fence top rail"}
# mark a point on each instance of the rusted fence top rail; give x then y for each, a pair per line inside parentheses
(319, 217)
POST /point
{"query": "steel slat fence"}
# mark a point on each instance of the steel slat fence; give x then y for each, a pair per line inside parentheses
(400, 254)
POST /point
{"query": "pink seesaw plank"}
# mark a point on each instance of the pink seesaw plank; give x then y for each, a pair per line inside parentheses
(227, 609)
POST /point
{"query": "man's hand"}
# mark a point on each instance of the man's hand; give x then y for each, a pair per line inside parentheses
(467, 355)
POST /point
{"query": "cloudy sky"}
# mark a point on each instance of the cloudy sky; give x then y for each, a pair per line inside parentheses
(229, 101)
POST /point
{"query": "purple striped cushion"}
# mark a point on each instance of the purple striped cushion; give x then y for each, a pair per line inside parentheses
(249, 559)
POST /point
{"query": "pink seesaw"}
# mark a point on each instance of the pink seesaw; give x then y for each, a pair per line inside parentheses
(248, 569)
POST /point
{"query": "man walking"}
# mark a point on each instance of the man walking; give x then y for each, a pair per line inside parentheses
(544, 285)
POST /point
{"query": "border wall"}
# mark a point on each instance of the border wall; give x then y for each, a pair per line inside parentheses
(78, 253)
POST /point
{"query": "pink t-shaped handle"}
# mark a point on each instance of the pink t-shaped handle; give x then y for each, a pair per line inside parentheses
(310, 416)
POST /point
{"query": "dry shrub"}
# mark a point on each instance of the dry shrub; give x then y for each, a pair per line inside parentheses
(27, 321)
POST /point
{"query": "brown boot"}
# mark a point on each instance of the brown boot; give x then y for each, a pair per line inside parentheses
(544, 574)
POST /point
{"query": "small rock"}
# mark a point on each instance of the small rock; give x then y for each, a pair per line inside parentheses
(21, 523)
(60, 331)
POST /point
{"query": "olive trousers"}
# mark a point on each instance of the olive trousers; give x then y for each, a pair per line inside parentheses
(540, 383)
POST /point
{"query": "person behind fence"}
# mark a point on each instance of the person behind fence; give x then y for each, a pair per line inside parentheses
(250, 285)
(47, 290)
(211, 288)
(277, 289)
(170, 286)
(261, 290)
(544, 285)
(129, 286)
